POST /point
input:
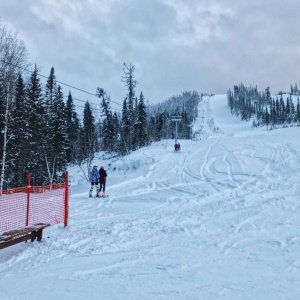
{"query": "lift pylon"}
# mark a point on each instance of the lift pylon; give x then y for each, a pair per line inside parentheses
(176, 119)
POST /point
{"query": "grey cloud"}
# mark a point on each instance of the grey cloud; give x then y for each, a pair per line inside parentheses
(175, 45)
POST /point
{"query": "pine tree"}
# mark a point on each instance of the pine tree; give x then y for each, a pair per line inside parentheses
(131, 83)
(73, 131)
(293, 112)
(50, 90)
(288, 111)
(140, 137)
(88, 136)
(142, 130)
(108, 133)
(125, 130)
(282, 111)
(57, 159)
(267, 118)
(20, 136)
(273, 114)
(152, 129)
(159, 127)
(135, 127)
(50, 119)
(277, 109)
(37, 146)
(117, 132)
(298, 112)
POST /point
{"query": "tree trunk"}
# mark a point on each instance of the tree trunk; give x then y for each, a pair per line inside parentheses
(5, 141)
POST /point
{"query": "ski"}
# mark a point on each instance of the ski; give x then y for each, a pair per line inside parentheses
(97, 195)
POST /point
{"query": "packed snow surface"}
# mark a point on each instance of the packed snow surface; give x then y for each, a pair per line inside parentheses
(218, 220)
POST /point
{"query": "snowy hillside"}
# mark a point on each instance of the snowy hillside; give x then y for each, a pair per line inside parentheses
(219, 220)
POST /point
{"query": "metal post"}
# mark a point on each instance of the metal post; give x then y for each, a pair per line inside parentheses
(176, 119)
(28, 198)
(66, 217)
(176, 132)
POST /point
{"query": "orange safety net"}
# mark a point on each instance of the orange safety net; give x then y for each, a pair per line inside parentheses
(27, 206)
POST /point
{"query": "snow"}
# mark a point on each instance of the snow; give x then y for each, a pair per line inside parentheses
(218, 220)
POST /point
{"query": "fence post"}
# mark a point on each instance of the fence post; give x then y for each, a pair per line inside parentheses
(66, 199)
(28, 198)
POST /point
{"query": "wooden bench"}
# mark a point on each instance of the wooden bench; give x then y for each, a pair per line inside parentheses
(24, 234)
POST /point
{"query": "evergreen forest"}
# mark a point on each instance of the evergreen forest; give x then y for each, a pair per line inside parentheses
(263, 109)
(42, 133)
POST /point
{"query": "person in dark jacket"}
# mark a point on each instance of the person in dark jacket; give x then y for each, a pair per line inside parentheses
(102, 180)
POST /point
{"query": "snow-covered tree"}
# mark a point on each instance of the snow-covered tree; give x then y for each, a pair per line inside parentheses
(130, 83)
(13, 54)
(108, 130)
(73, 128)
(142, 123)
(56, 158)
(37, 146)
(88, 139)
(20, 137)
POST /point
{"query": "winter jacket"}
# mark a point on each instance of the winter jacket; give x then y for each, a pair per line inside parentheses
(94, 176)
(103, 175)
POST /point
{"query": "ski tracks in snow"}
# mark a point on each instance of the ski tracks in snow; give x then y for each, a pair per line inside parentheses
(218, 219)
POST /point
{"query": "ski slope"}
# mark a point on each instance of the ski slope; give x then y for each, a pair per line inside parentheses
(218, 220)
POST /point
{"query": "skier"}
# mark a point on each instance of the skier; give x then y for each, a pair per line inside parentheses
(178, 146)
(102, 180)
(175, 147)
(94, 179)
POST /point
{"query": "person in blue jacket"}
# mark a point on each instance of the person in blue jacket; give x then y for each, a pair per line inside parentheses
(94, 180)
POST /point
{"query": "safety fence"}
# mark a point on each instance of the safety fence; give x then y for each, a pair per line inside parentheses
(30, 205)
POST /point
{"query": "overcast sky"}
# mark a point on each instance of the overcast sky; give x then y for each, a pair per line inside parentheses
(175, 45)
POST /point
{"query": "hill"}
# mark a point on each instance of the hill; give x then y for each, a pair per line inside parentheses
(218, 220)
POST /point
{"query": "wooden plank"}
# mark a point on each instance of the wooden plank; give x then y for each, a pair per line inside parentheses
(13, 237)
(23, 230)
(32, 236)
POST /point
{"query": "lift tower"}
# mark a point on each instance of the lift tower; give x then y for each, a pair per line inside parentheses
(176, 119)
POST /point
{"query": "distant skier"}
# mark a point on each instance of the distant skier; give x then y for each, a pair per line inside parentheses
(102, 180)
(94, 179)
(176, 147)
